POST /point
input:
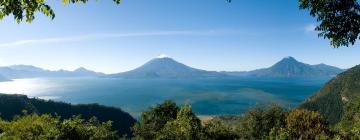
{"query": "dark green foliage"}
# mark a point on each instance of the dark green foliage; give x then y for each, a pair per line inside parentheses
(12, 105)
(46, 127)
(186, 126)
(154, 119)
(21, 9)
(79, 129)
(217, 130)
(330, 100)
(167, 122)
(339, 19)
(258, 122)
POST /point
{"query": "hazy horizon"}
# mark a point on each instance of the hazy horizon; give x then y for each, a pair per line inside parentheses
(157, 57)
(209, 35)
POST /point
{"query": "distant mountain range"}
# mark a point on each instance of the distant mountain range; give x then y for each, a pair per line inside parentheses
(28, 71)
(166, 67)
(290, 67)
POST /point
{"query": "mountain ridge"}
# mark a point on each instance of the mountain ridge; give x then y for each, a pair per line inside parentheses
(29, 71)
(166, 67)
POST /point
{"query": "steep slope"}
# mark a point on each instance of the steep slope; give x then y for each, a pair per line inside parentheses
(338, 92)
(12, 105)
(165, 68)
(290, 67)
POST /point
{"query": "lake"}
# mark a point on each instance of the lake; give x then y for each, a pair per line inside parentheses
(210, 96)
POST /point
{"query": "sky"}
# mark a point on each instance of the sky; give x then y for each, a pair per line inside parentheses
(206, 34)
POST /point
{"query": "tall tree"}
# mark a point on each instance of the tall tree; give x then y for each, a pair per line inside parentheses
(186, 126)
(154, 119)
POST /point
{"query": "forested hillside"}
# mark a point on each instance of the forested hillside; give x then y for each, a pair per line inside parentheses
(12, 105)
(332, 99)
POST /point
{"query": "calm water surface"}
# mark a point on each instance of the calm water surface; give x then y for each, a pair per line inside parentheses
(207, 96)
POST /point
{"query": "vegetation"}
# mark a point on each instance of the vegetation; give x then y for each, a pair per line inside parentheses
(339, 19)
(349, 126)
(271, 122)
(14, 105)
(21, 9)
(47, 127)
(166, 121)
(331, 100)
(258, 122)
(154, 119)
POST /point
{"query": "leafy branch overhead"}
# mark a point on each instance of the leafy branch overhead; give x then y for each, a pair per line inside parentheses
(26, 9)
(339, 20)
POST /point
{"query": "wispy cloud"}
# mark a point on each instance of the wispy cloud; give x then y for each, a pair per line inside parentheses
(113, 35)
(310, 28)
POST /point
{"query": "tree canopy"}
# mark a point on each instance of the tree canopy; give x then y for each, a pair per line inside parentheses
(339, 20)
(47, 127)
(26, 9)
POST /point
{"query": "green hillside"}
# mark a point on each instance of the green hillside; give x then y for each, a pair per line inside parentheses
(12, 105)
(332, 99)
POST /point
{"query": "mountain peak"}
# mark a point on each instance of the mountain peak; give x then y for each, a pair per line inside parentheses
(290, 67)
(289, 58)
(81, 69)
(166, 67)
(163, 56)
(288, 61)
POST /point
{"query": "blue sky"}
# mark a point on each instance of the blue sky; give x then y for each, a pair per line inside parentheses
(206, 34)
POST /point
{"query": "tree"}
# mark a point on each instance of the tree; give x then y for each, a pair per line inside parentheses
(305, 124)
(258, 122)
(154, 119)
(21, 9)
(186, 126)
(79, 129)
(47, 127)
(217, 130)
(30, 127)
(349, 126)
(339, 19)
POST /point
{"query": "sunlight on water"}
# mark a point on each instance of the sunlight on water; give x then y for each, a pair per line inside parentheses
(30, 87)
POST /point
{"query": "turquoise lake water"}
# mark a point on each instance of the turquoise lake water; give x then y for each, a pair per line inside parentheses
(207, 96)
